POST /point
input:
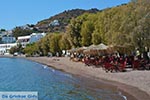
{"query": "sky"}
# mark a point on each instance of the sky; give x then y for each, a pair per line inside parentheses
(21, 12)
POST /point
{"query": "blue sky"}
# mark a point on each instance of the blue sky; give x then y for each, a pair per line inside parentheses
(21, 12)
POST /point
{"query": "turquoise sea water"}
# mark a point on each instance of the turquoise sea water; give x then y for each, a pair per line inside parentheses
(23, 75)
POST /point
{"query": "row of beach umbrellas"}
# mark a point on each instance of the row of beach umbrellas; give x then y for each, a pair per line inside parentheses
(93, 49)
(103, 49)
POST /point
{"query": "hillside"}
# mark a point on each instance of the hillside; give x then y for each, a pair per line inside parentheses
(125, 27)
(59, 22)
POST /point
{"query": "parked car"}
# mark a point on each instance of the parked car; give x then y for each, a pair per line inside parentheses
(15, 54)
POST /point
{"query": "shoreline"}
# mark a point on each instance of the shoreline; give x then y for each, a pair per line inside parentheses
(96, 77)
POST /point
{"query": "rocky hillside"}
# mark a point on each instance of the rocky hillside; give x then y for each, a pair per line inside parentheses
(59, 22)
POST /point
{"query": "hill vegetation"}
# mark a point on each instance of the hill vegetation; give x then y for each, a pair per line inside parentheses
(127, 25)
(63, 20)
(49, 25)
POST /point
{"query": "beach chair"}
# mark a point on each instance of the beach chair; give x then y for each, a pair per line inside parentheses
(147, 66)
(122, 65)
(108, 67)
(86, 61)
(136, 64)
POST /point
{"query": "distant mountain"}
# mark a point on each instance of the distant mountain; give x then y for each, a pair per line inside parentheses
(59, 22)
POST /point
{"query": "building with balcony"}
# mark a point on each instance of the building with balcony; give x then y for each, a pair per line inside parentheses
(23, 40)
(4, 48)
(34, 37)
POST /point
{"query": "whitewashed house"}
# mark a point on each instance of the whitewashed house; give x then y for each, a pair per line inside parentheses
(8, 39)
(54, 23)
(4, 48)
(23, 40)
(34, 37)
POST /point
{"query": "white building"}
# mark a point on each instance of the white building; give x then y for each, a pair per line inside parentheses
(36, 37)
(24, 27)
(2, 33)
(4, 48)
(54, 23)
(8, 39)
(23, 40)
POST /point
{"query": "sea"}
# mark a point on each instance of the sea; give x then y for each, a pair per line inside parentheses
(18, 74)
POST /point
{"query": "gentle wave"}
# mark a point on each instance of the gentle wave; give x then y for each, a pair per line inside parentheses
(51, 84)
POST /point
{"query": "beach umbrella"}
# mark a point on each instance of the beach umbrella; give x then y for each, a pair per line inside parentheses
(90, 48)
(110, 49)
(96, 49)
(81, 49)
(102, 47)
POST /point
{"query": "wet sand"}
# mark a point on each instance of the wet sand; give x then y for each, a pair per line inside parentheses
(133, 84)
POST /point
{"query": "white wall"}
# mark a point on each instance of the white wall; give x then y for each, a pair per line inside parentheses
(4, 48)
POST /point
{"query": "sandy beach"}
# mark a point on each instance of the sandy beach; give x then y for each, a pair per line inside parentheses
(135, 83)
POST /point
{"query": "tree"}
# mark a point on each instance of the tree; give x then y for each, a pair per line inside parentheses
(18, 31)
(86, 33)
(17, 48)
(44, 45)
(96, 38)
(64, 42)
(142, 34)
(2, 30)
(54, 43)
(73, 31)
(13, 50)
